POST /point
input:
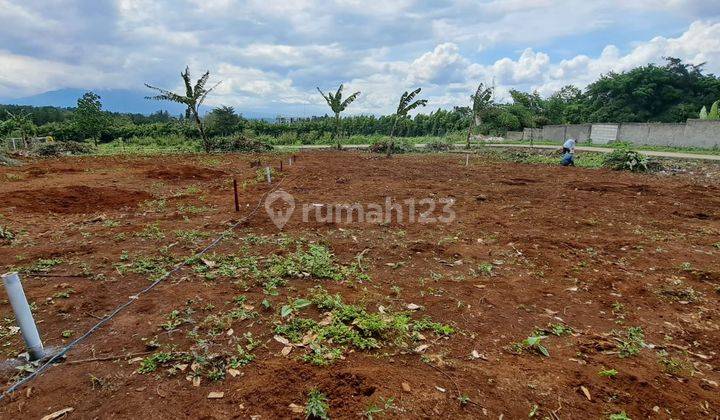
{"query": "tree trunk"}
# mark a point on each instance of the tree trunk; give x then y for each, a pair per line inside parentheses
(337, 131)
(472, 124)
(391, 142)
(201, 129)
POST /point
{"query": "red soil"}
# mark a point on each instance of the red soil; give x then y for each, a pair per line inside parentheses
(595, 249)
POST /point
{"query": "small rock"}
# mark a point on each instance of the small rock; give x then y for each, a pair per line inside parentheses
(481, 197)
(216, 395)
(413, 307)
(406, 387)
(440, 389)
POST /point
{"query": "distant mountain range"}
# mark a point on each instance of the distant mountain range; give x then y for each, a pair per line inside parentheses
(116, 100)
(134, 102)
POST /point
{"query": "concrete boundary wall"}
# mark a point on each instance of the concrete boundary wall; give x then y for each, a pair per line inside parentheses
(579, 132)
(514, 135)
(693, 133)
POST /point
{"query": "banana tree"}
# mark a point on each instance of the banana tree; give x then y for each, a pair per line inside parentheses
(482, 99)
(337, 105)
(404, 107)
(23, 124)
(193, 98)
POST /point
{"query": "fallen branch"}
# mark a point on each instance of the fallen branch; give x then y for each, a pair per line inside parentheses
(106, 358)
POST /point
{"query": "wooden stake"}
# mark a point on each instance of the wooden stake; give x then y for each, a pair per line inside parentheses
(267, 174)
(237, 203)
(467, 159)
(280, 165)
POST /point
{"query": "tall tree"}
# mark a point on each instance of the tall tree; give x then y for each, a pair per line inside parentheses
(337, 105)
(223, 121)
(406, 105)
(482, 99)
(193, 98)
(89, 116)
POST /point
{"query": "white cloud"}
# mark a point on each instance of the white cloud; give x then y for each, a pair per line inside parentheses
(271, 52)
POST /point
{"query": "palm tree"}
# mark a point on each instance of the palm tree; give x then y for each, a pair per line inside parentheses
(337, 105)
(481, 100)
(406, 105)
(193, 98)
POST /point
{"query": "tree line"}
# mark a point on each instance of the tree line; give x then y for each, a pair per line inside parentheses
(671, 92)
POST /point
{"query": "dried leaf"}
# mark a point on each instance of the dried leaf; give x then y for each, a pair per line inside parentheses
(297, 409)
(233, 372)
(59, 413)
(421, 348)
(215, 395)
(413, 307)
(282, 340)
(586, 392)
(286, 350)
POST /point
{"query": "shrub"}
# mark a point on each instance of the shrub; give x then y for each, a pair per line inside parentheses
(627, 160)
(439, 145)
(7, 161)
(396, 146)
(63, 148)
(240, 143)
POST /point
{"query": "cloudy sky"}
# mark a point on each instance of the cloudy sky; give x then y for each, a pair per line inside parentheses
(271, 54)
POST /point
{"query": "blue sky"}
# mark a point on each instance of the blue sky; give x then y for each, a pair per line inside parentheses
(271, 54)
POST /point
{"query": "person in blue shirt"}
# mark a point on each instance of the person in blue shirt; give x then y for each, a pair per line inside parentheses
(568, 153)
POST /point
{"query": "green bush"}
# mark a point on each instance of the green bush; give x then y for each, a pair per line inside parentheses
(240, 143)
(439, 145)
(396, 146)
(63, 148)
(8, 161)
(627, 160)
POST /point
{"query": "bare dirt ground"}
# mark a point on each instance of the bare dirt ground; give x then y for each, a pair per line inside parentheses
(617, 271)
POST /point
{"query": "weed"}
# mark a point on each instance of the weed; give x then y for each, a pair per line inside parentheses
(631, 343)
(317, 406)
(150, 363)
(675, 290)
(65, 294)
(351, 326)
(608, 373)
(191, 236)
(532, 343)
(673, 366)
(294, 306)
(619, 416)
(67, 333)
(485, 269)
(44, 265)
(464, 399)
(151, 232)
(6, 234)
(109, 223)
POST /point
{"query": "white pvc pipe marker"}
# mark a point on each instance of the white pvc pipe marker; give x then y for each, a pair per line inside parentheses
(23, 315)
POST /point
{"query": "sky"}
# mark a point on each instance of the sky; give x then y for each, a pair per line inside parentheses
(270, 55)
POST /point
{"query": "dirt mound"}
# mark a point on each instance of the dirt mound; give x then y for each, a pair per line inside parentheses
(184, 172)
(74, 199)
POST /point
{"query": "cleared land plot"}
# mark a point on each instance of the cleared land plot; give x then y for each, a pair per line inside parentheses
(617, 271)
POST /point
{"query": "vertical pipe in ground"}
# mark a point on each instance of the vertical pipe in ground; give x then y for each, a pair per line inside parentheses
(267, 174)
(23, 315)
